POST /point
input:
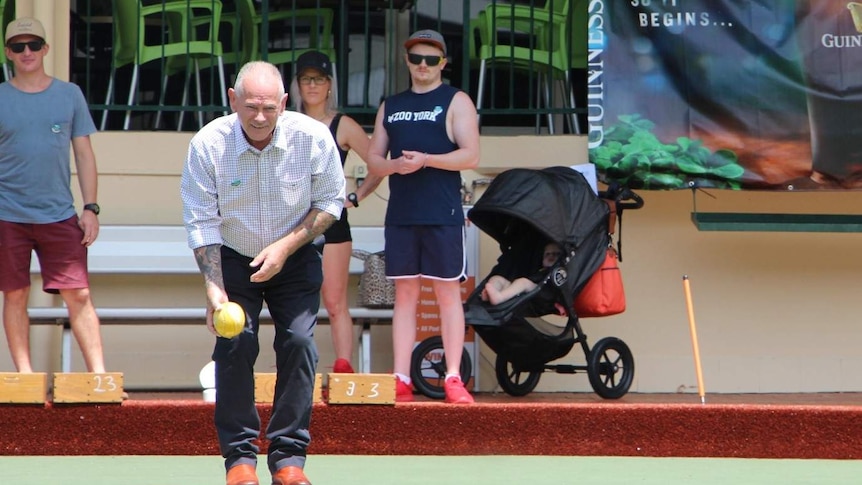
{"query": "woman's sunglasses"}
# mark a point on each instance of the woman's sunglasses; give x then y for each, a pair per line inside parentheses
(417, 59)
(34, 45)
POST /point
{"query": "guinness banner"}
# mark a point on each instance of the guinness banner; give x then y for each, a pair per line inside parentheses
(736, 94)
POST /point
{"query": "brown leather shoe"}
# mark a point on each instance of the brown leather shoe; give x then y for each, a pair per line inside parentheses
(290, 475)
(242, 475)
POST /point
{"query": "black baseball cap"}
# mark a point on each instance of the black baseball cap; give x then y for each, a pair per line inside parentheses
(316, 60)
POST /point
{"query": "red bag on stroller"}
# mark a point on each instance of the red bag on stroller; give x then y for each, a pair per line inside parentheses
(603, 294)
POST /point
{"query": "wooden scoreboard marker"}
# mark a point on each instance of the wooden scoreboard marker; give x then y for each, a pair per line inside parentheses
(88, 387)
(361, 388)
(17, 388)
(264, 387)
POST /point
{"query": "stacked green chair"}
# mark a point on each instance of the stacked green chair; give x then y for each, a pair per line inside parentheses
(231, 54)
(312, 25)
(558, 43)
(577, 22)
(181, 49)
(315, 24)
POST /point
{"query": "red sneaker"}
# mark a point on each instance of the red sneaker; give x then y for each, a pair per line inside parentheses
(403, 391)
(455, 391)
(342, 366)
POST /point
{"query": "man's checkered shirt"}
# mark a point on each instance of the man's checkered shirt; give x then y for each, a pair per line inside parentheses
(246, 199)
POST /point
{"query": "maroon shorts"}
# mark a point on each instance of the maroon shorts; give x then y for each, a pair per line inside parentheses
(62, 257)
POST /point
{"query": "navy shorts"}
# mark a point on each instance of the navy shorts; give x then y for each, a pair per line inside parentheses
(435, 252)
(339, 231)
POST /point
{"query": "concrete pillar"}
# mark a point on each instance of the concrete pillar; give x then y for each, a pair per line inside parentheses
(55, 17)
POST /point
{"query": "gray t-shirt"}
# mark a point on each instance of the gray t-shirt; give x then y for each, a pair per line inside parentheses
(36, 130)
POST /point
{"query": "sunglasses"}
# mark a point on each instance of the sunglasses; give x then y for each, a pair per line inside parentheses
(316, 80)
(34, 45)
(417, 59)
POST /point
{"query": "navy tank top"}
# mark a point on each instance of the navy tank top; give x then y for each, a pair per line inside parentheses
(339, 231)
(429, 196)
(333, 128)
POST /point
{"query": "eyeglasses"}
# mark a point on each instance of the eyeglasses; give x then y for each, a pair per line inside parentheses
(316, 80)
(417, 59)
(34, 45)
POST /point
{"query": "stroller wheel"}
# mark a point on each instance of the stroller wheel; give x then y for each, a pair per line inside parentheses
(611, 368)
(515, 381)
(428, 367)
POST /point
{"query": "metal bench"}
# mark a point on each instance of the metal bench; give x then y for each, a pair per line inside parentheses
(163, 250)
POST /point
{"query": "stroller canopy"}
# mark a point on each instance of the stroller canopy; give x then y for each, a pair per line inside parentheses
(556, 201)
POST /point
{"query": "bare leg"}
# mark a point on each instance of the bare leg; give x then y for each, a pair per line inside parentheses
(520, 285)
(404, 323)
(17, 326)
(85, 327)
(336, 261)
(451, 322)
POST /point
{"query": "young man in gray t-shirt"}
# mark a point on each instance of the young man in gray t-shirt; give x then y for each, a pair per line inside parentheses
(41, 116)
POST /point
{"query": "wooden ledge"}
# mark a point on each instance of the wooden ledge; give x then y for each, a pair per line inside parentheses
(749, 221)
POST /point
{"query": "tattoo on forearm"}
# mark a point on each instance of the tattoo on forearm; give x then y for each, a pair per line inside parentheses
(316, 224)
(209, 262)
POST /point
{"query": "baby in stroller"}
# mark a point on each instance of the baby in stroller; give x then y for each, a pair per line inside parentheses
(499, 289)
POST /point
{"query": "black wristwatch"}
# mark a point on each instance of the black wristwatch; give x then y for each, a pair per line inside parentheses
(353, 199)
(94, 208)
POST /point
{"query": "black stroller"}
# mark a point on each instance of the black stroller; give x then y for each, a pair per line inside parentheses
(524, 210)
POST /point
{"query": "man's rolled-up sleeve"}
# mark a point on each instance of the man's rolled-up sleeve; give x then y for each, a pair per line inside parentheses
(200, 200)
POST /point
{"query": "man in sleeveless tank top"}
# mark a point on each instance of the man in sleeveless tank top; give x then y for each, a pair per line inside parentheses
(431, 133)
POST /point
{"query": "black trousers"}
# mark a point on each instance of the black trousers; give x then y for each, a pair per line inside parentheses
(293, 299)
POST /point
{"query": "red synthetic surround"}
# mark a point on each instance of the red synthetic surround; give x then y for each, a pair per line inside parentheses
(432, 428)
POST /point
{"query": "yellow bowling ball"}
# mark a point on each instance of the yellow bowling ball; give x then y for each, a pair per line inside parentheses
(229, 320)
